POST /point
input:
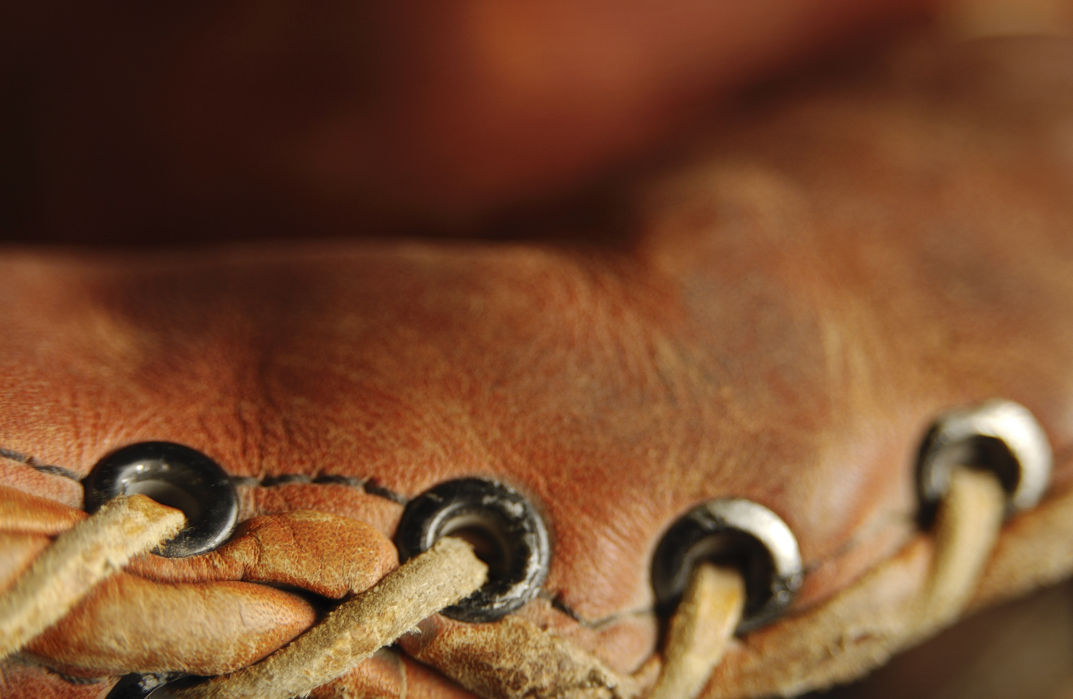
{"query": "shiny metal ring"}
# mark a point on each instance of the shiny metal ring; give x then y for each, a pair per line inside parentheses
(740, 533)
(998, 435)
(173, 475)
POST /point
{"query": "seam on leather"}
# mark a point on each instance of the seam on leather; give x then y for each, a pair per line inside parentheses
(32, 462)
(369, 486)
(24, 660)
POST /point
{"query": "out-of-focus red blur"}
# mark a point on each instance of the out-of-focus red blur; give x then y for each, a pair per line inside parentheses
(180, 121)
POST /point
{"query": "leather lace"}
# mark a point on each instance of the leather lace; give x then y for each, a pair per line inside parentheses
(700, 632)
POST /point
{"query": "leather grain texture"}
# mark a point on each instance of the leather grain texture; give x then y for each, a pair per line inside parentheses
(781, 319)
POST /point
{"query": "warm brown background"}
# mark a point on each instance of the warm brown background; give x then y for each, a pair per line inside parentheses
(147, 122)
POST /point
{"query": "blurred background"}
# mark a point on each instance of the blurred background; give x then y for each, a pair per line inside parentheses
(150, 122)
(1020, 649)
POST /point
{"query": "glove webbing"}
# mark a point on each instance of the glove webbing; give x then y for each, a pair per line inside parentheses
(700, 632)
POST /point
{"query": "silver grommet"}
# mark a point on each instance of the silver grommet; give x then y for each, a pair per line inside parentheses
(736, 532)
(998, 435)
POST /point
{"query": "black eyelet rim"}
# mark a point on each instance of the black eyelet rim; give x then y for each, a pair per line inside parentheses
(174, 475)
(142, 686)
(740, 533)
(505, 516)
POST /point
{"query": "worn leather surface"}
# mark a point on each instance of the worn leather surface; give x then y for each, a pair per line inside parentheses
(780, 318)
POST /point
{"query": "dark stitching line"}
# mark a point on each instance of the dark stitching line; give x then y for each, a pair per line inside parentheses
(558, 604)
(39, 663)
(72, 679)
(14, 456)
(35, 464)
(336, 479)
(58, 471)
(365, 485)
(381, 492)
(285, 479)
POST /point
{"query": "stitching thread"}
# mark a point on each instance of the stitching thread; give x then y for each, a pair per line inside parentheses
(34, 463)
(369, 486)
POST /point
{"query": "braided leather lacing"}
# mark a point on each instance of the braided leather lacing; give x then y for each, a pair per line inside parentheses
(80, 558)
(966, 529)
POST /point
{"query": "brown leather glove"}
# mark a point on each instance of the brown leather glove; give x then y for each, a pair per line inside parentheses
(781, 320)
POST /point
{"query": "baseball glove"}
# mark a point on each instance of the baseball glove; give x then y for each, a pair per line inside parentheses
(768, 417)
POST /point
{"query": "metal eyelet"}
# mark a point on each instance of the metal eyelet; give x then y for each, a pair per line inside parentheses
(507, 534)
(739, 532)
(998, 435)
(174, 475)
(139, 686)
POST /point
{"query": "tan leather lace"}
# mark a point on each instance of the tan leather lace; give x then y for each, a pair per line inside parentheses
(700, 632)
(851, 634)
(360, 626)
(80, 558)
